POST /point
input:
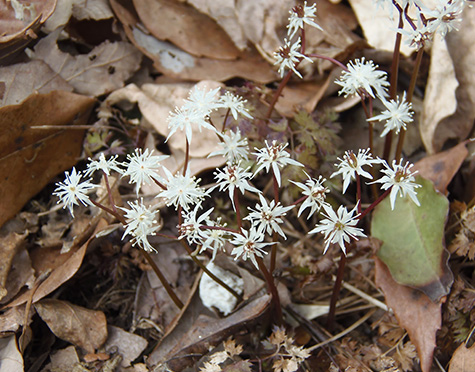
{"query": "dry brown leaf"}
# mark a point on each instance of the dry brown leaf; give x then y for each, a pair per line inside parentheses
(377, 26)
(19, 22)
(80, 326)
(10, 244)
(174, 62)
(21, 274)
(102, 70)
(80, 10)
(305, 95)
(205, 330)
(12, 319)
(30, 158)
(62, 266)
(185, 27)
(463, 359)
(257, 22)
(462, 52)
(11, 359)
(21, 80)
(414, 311)
(439, 100)
(63, 360)
(442, 167)
(128, 345)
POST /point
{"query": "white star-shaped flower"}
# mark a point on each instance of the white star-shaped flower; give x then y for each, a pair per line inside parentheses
(300, 15)
(249, 244)
(190, 227)
(268, 216)
(234, 177)
(201, 100)
(401, 181)
(288, 56)
(141, 222)
(104, 165)
(274, 156)
(72, 190)
(352, 164)
(182, 190)
(185, 119)
(315, 192)
(235, 104)
(397, 115)
(363, 75)
(234, 147)
(338, 228)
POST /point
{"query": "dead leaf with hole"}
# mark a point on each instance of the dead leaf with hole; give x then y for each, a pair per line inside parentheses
(19, 23)
(176, 63)
(11, 359)
(62, 266)
(102, 70)
(463, 359)
(187, 28)
(415, 312)
(442, 167)
(80, 326)
(20, 80)
(38, 153)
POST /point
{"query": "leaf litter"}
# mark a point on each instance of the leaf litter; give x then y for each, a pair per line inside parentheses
(78, 282)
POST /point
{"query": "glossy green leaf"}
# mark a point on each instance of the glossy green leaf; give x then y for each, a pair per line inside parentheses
(413, 240)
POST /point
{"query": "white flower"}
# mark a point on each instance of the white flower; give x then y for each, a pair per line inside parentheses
(447, 16)
(232, 177)
(235, 104)
(300, 15)
(274, 156)
(397, 115)
(339, 227)
(315, 192)
(401, 181)
(352, 164)
(420, 36)
(249, 244)
(267, 216)
(190, 228)
(73, 190)
(184, 120)
(234, 147)
(363, 75)
(202, 101)
(141, 222)
(103, 165)
(142, 168)
(288, 56)
(182, 190)
(213, 239)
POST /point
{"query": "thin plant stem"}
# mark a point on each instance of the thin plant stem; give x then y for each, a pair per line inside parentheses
(358, 191)
(393, 79)
(273, 252)
(278, 92)
(209, 273)
(332, 60)
(237, 205)
(272, 289)
(410, 93)
(187, 157)
(109, 192)
(163, 280)
(110, 211)
(336, 291)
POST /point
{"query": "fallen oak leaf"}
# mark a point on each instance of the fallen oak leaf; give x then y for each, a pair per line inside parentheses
(80, 326)
(102, 70)
(415, 312)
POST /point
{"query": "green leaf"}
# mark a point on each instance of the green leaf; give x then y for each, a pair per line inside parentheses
(413, 240)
